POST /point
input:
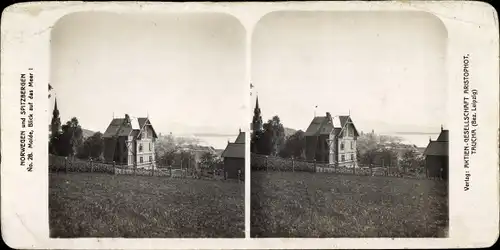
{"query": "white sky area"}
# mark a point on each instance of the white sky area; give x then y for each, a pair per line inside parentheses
(387, 69)
(187, 71)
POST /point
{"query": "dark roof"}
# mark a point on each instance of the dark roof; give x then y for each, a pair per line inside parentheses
(443, 137)
(343, 119)
(437, 148)
(117, 127)
(323, 125)
(234, 150)
(241, 138)
(315, 125)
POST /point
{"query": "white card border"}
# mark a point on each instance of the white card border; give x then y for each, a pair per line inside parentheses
(472, 28)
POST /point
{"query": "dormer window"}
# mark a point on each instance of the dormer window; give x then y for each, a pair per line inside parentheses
(342, 146)
(140, 147)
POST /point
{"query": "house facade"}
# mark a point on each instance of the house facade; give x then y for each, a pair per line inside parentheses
(436, 156)
(332, 140)
(130, 142)
(234, 158)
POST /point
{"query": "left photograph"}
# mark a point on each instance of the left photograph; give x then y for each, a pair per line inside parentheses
(147, 126)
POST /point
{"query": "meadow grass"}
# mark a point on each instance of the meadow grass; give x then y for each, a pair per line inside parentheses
(103, 205)
(301, 204)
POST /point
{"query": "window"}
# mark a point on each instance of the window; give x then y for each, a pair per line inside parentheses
(352, 157)
(150, 158)
(342, 146)
(352, 145)
(150, 146)
(140, 147)
(342, 158)
(140, 160)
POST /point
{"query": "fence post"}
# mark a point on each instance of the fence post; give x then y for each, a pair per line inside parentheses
(66, 164)
(293, 167)
(371, 169)
(267, 166)
(314, 164)
(353, 169)
(182, 172)
(91, 166)
(152, 169)
(383, 167)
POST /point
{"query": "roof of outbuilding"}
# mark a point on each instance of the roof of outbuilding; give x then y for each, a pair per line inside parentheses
(437, 148)
(234, 150)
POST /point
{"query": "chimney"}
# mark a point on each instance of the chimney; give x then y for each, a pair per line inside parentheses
(441, 127)
(328, 115)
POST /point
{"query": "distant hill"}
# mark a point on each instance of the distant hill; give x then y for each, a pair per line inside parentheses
(289, 131)
(87, 133)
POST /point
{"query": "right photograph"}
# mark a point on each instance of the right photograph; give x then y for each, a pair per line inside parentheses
(349, 132)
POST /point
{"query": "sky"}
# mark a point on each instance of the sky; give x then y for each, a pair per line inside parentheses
(185, 71)
(385, 69)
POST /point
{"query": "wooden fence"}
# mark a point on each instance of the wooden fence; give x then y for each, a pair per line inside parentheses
(70, 164)
(273, 163)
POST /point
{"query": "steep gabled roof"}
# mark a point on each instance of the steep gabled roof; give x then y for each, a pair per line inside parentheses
(443, 137)
(234, 150)
(344, 119)
(142, 122)
(241, 138)
(437, 148)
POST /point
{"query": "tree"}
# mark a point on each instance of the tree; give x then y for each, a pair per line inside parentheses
(165, 149)
(377, 149)
(294, 146)
(412, 160)
(271, 140)
(208, 161)
(92, 147)
(71, 138)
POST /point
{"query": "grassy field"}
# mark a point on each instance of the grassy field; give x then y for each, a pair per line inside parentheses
(101, 205)
(287, 204)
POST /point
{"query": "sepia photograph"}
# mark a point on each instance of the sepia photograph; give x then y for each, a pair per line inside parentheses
(147, 126)
(349, 129)
(285, 125)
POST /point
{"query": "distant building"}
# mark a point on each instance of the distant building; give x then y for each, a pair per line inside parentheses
(332, 140)
(234, 158)
(130, 141)
(257, 125)
(436, 156)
